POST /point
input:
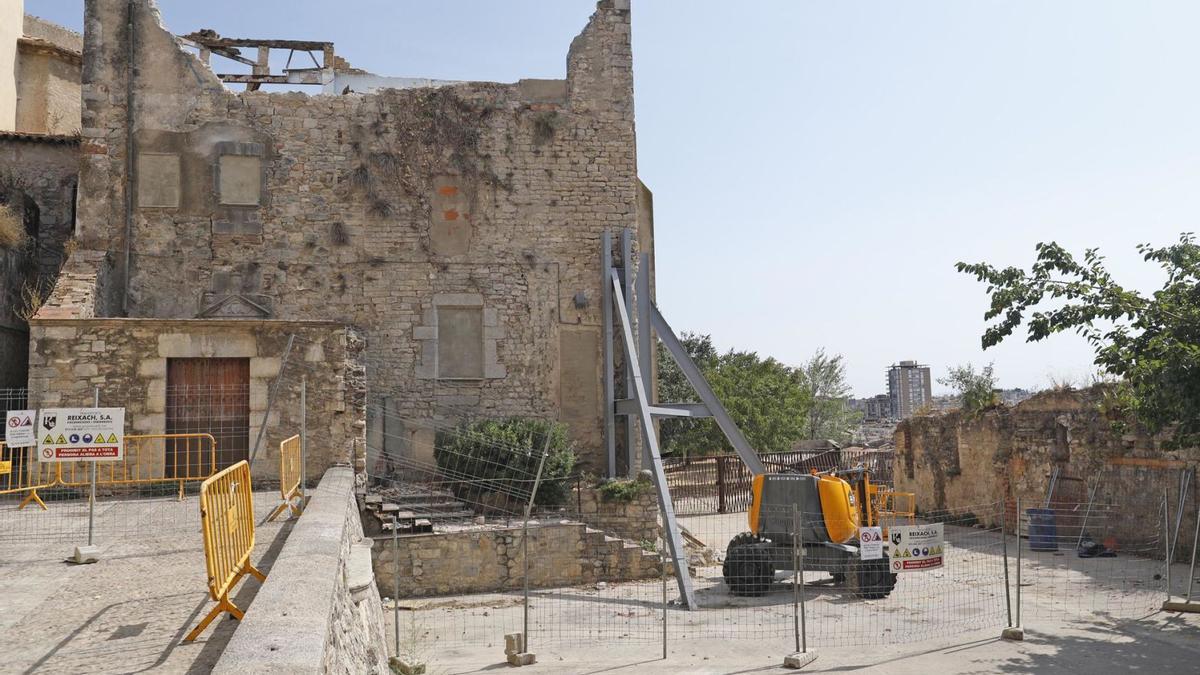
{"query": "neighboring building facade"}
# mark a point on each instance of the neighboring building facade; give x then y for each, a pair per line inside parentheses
(874, 409)
(909, 388)
(39, 167)
(444, 240)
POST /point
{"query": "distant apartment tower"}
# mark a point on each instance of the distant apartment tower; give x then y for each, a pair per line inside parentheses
(909, 388)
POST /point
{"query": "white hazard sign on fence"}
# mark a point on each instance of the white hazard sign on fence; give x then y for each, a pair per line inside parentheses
(18, 428)
(81, 434)
(917, 547)
(870, 543)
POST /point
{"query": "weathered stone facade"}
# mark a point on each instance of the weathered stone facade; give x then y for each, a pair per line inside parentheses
(37, 181)
(963, 462)
(490, 560)
(127, 360)
(387, 211)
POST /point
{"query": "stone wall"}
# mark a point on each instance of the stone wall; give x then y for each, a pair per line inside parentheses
(127, 360)
(489, 560)
(962, 462)
(37, 180)
(376, 210)
(635, 520)
(319, 611)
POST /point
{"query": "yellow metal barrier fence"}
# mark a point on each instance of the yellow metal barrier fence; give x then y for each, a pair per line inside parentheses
(20, 471)
(152, 458)
(227, 519)
(289, 477)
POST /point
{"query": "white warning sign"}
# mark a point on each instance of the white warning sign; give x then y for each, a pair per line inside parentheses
(917, 547)
(870, 543)
(81, 434)
(18, 428)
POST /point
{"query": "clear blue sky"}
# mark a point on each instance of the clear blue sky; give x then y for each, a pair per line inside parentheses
(818, 167)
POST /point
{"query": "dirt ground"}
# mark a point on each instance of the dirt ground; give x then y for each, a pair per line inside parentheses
(128, 612)
(1081, 615)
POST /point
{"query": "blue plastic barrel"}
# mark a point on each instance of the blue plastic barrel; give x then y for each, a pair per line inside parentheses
(1043, 531)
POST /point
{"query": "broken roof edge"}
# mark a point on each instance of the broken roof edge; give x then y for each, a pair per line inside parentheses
(207, 78)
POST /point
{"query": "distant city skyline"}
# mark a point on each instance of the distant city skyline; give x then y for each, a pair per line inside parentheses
(818, 168)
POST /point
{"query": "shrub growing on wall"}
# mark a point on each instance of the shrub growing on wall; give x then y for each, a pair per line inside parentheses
(495, 461)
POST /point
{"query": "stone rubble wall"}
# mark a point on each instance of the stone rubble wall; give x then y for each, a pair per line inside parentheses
(961, 462)
(635, 520)
(127, 360)
(484, 561)
(315, 613)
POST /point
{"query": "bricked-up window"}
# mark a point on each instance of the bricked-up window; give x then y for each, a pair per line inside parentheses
(460, 342)
(158, 180)
(240, 182)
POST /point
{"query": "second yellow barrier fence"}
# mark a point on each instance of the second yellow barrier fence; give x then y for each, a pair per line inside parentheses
(20, 471)
(227, 520)
(289, 478)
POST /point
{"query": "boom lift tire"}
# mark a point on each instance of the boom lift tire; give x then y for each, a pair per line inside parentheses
(875, 581)
(747, 568)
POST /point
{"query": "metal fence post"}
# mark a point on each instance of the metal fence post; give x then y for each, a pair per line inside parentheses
(396, 581)
(525, 543)
(663, 559)
(799, 571)
(1004, 546)
(1167, 543)
(92, 488)
(1019, 625)
(303, 437)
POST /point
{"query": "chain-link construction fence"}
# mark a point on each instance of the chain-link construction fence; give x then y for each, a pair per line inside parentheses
(1001, 564)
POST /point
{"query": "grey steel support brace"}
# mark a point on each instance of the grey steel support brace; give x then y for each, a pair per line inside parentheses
(606, 303)
(674, 540)
(627, 289)
(711, 402)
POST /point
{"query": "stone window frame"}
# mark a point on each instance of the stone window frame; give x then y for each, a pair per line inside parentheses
(426, 336)
(178, 188)
(236, 149)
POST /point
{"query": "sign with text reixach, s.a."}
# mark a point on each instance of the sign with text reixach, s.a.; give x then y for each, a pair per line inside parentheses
(916, 547)
(18, 428)
(81, 434)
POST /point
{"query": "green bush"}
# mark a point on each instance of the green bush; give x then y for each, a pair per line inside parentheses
(501, 456)
(624, 490)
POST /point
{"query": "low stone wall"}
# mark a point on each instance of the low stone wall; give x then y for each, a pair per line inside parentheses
(483, 561)
(635, 520)
(319, 610)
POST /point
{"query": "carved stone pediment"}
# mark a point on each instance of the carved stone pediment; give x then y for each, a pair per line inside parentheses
(236, 306)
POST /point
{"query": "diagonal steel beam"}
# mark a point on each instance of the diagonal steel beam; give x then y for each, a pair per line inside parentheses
(673, 537)
(696, 379)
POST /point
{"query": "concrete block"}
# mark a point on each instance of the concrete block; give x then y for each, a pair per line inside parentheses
(522, 659)
(1016, 634)
(406, 667)
(85, 555)
(514, 643)
(799, 659)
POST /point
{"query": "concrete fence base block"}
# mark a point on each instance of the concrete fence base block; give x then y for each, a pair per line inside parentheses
(514, 643)
(1016, 634)
(1181, 607)
(403, 667)
(522, 659)
(85, 555)
(799, 659)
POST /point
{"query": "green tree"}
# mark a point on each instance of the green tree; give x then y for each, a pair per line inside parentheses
(767, 400)
(1151, 343)
(977, 390)
(830, 415)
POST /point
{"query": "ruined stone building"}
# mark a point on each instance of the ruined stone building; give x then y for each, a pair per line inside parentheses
(39, 160)
(441, 238)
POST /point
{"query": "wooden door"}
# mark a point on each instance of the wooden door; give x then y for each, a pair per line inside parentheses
(210, 396)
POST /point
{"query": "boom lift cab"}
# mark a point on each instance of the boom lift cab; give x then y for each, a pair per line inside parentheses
(831, 509)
